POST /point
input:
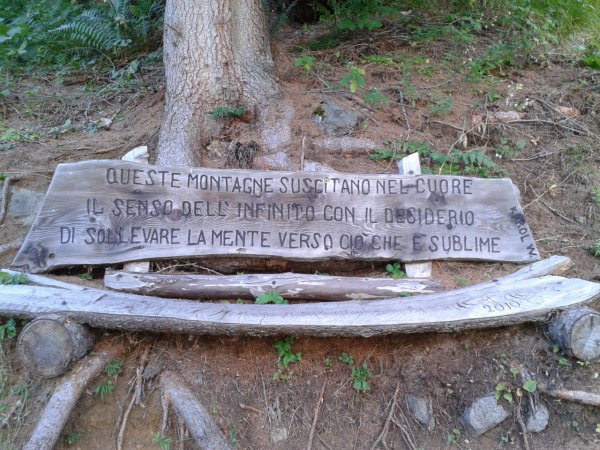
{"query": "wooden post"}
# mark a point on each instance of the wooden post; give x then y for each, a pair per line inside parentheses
(577, 333)
(61, 404)
(410, 165)
(204, 431)
(138, 155)
(48, 345)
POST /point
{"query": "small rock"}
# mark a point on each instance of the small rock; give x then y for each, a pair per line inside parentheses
(278, 161)
(483, 415)
(279, 435)
(345, 144)
(580, 219)
(333, 120)
(277, 131)
(419, 408)
(313, 166)
(536, 421)
(24, 204)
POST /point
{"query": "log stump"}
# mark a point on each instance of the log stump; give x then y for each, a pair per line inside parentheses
(577, 333)
(48, 345)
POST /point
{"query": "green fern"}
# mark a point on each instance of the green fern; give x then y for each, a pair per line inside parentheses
(122, 25)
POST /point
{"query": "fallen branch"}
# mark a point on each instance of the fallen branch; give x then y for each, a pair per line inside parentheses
(288, 285)
(63, 401)
(4, 199)
(204, 431)
(388, 421)
(315, 418)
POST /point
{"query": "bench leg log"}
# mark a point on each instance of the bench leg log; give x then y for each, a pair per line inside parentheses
(204, 431)
(63, 401)
(48, 345)
(577, 333)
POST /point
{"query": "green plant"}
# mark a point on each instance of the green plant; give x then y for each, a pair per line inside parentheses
(70, 439)
(504, 391)
(328, 362)
(104, 389)
(354, 79)
(85, 276)
(122, 24)
(394, 271)
(232, 438)
(595, 193)
(454, 436)
(376, 99)
(305, 62)
(163, 442)
(346, 358)
(441, 106)
(226, 112)
(354, 15)
(270, 297)
(595, 249)
(285, 358)
(6, 278)
(462, 281)
(530, 386)
(8, 329)
(361, 376)
(113, 367)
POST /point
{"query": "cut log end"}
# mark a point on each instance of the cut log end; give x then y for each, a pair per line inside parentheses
(48, 345)
(577, 332)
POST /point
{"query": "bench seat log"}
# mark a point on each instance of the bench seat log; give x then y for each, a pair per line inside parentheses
(289, 285)
(484, 305)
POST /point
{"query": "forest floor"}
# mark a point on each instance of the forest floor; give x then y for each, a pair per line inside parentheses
(422, 92)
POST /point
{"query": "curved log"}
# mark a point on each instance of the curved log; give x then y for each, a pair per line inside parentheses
(289, 285)
(63, 401)
(48, 345)
(488, 304)
(577, 333)
(203, 430)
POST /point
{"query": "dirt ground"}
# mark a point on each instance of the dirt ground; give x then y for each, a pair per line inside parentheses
(555, 164)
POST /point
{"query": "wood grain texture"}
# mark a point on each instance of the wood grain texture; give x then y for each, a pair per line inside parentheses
(288, 285)
(104, 212)
(490, 304)
(577, 333)
(48, 345)
(410, 165)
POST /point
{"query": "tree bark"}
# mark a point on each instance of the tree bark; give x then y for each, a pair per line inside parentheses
(577, 333)
(48, 345)
(216, 53)
(204, 431)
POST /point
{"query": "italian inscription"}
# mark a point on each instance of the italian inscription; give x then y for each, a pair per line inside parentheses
(115, 211)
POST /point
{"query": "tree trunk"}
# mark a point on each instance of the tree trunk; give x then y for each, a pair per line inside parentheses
(216, 53)
(577, 333)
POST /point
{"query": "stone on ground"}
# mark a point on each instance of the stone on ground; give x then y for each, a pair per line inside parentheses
(483, 415)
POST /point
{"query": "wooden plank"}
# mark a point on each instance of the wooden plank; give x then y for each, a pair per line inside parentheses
(475, 307)
(104, 212)
(288, 285)
(410, 165)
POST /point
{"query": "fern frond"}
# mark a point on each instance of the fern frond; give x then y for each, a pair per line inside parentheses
(91, 29)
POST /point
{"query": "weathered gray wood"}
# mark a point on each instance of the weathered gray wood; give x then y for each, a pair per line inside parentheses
(289, 285)
(101, 212)
(48, 345)
(63, 401)
(577, 333)
(489, 304)
(410, 165)
(554, 265)
(202, 428)
(41, 280)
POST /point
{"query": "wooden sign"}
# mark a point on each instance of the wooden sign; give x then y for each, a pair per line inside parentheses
(103, 212)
